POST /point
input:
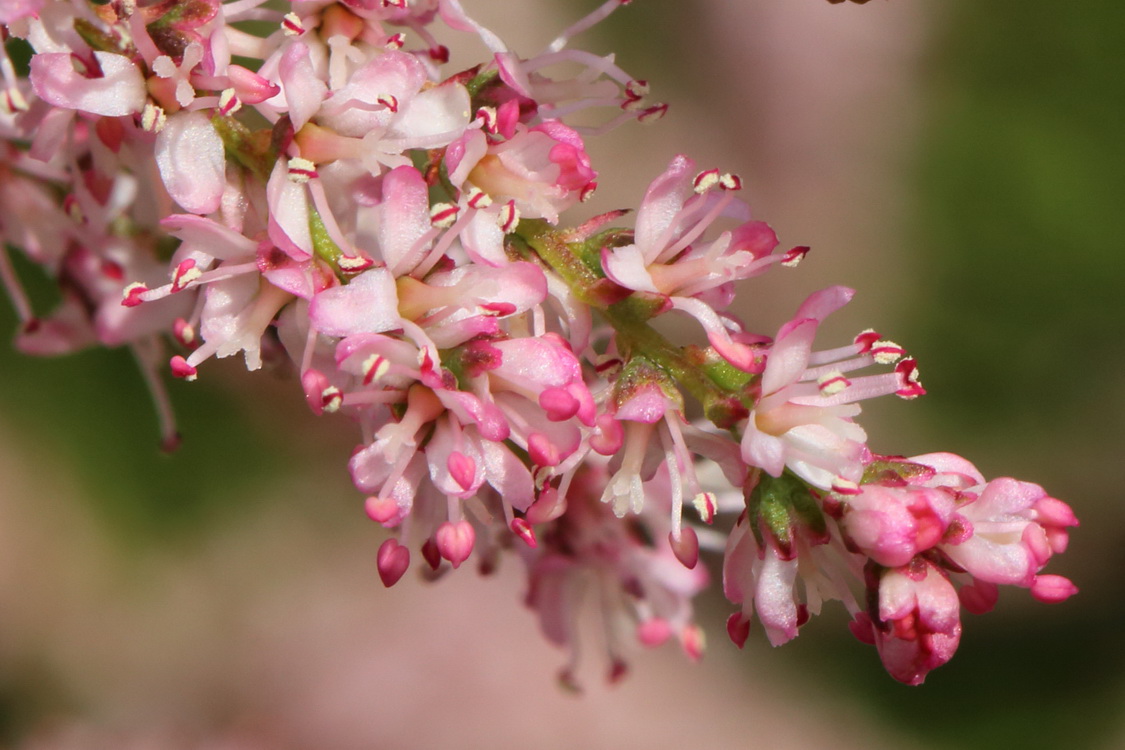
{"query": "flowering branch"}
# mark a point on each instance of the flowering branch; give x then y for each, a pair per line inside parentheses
(325, 193)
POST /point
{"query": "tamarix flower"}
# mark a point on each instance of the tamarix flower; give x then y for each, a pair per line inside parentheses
(318, 186)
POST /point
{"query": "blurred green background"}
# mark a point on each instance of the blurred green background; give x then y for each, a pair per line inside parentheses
(1010, 298)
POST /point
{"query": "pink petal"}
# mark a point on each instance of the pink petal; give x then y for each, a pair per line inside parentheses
(404, 217)
(288, 213)
(455, 541)
(820, 305)
(192, 162)
(393, 560)
(119, 91)
(663, 200)
(369, 304)
(628, 267)
(789, 356)
(1052, 589)
(304, 90)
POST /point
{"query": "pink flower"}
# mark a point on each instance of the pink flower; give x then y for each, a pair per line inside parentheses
(803, 419)
(590, 558)
(917, 624)
(1009, 529)
(102, 84)
(544, 169)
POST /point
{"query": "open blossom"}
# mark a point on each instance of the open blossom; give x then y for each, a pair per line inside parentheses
(325, 191)
(804, 418)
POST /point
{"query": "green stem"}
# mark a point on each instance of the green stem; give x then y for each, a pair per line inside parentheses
(721, 389)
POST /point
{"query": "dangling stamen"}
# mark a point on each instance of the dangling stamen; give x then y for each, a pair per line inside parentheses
(15, 289)
(594, 18)
(675, 480)
(169, 435)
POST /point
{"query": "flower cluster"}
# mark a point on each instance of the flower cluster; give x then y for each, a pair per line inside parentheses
(311, 186)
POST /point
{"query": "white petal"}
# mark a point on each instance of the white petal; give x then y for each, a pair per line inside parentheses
(190, 155)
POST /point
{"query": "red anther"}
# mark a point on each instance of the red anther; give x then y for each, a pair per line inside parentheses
(184, 333)
(171, 443)
(911, 386)
(185, 273)
(352, 264)
(431, 554)
(866, 339)
(181, 368)
(653, 113)
(444, 214)
(653, 632)
(738, 628)
(388, 101)
(292, 25)
(617, 671)
(462, 468)
(455, 541)
(730, 182)
(132, 294)
(112, 270)
(499, 309)
(706, 507)
(525, 531)
(795, 256)
(705, 180)
(392, 560)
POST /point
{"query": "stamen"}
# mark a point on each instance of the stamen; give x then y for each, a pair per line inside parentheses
(866, 339)
(907, 370)
(229, 103)
(353, 264)
(332, 398)
(886, 352)
(637, 89)
(831, 383)
(521, 528)
(374, 368)
(14, 101)
(706, 505)
(477, 198)
(185, 273)
(301, 170)
(653, 113)
(508, 218)
(792, 258)
(487, 117)
(73, 209)
(131, 296)
(291, 25)
(389, 101)
(153, 118)
(705, 181)
(184, 333)
(181, 369)
(443, 215)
